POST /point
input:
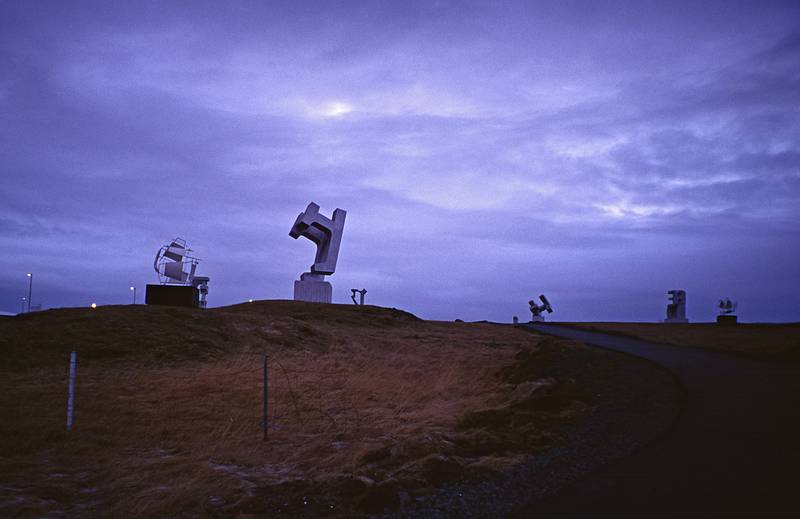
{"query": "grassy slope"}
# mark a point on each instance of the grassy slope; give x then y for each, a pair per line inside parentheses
(779, 341)
(365, 403)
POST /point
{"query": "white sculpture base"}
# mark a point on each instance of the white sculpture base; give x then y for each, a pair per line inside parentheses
(313, 288)
(537, 319)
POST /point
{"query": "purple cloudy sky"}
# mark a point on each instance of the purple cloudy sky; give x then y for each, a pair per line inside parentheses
(485, 152)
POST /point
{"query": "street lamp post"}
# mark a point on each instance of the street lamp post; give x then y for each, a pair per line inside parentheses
(30, 289)
(133, 289)
(22, 305)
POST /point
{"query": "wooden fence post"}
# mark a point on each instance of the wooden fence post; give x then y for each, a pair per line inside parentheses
(73, 362)
(266, 395)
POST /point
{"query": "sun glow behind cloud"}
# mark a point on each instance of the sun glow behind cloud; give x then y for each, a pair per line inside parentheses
(333, 109)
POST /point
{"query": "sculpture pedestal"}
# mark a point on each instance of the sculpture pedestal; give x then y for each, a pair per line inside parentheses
(674, 320)
(726, 320)
(172, 295)
(313, 288)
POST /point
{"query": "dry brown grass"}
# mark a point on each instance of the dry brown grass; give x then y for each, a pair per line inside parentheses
(780, 341)
(364, 403)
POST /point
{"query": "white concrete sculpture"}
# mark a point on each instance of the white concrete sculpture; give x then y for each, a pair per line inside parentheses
(355, 291)
(676, 309)
(536, 310)
(326, 233)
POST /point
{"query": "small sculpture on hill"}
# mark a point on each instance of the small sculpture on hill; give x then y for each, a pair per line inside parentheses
(676, 309)
(727, 311)
(536, 310)
(361, 293)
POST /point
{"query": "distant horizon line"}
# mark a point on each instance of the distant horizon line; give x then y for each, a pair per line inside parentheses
(13, 314)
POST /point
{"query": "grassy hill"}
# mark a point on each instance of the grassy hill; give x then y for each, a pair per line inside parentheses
(368, 406)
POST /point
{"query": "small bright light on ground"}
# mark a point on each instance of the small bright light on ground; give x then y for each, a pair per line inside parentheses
(249, 300)
(94, 305)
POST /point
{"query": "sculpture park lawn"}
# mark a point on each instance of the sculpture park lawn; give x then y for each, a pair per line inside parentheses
(365, 404)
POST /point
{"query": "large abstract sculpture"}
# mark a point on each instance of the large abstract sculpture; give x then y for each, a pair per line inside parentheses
(676, 309)
(179, 286)
(326, 233)
(536, 310)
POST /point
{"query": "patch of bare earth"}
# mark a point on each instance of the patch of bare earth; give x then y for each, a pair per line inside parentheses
(763, 340)
(366, 405)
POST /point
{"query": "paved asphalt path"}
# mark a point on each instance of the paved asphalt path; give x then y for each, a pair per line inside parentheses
(733, 452)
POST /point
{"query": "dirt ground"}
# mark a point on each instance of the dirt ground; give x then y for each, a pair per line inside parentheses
(365, 404)
(778, 341)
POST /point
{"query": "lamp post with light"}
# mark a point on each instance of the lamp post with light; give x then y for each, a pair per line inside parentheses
(133, 289)
(22, 305)
(30, 289)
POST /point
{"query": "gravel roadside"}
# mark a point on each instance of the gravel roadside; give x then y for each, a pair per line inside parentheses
(638, 401)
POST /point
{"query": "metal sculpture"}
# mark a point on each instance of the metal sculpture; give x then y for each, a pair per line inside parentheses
(536, 310)
(176, 267)
(727, 307)
(361, 292)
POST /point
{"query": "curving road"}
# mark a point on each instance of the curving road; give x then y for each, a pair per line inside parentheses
(733, 452)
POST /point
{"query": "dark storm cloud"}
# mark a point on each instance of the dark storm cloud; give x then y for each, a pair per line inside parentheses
(484, 152)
